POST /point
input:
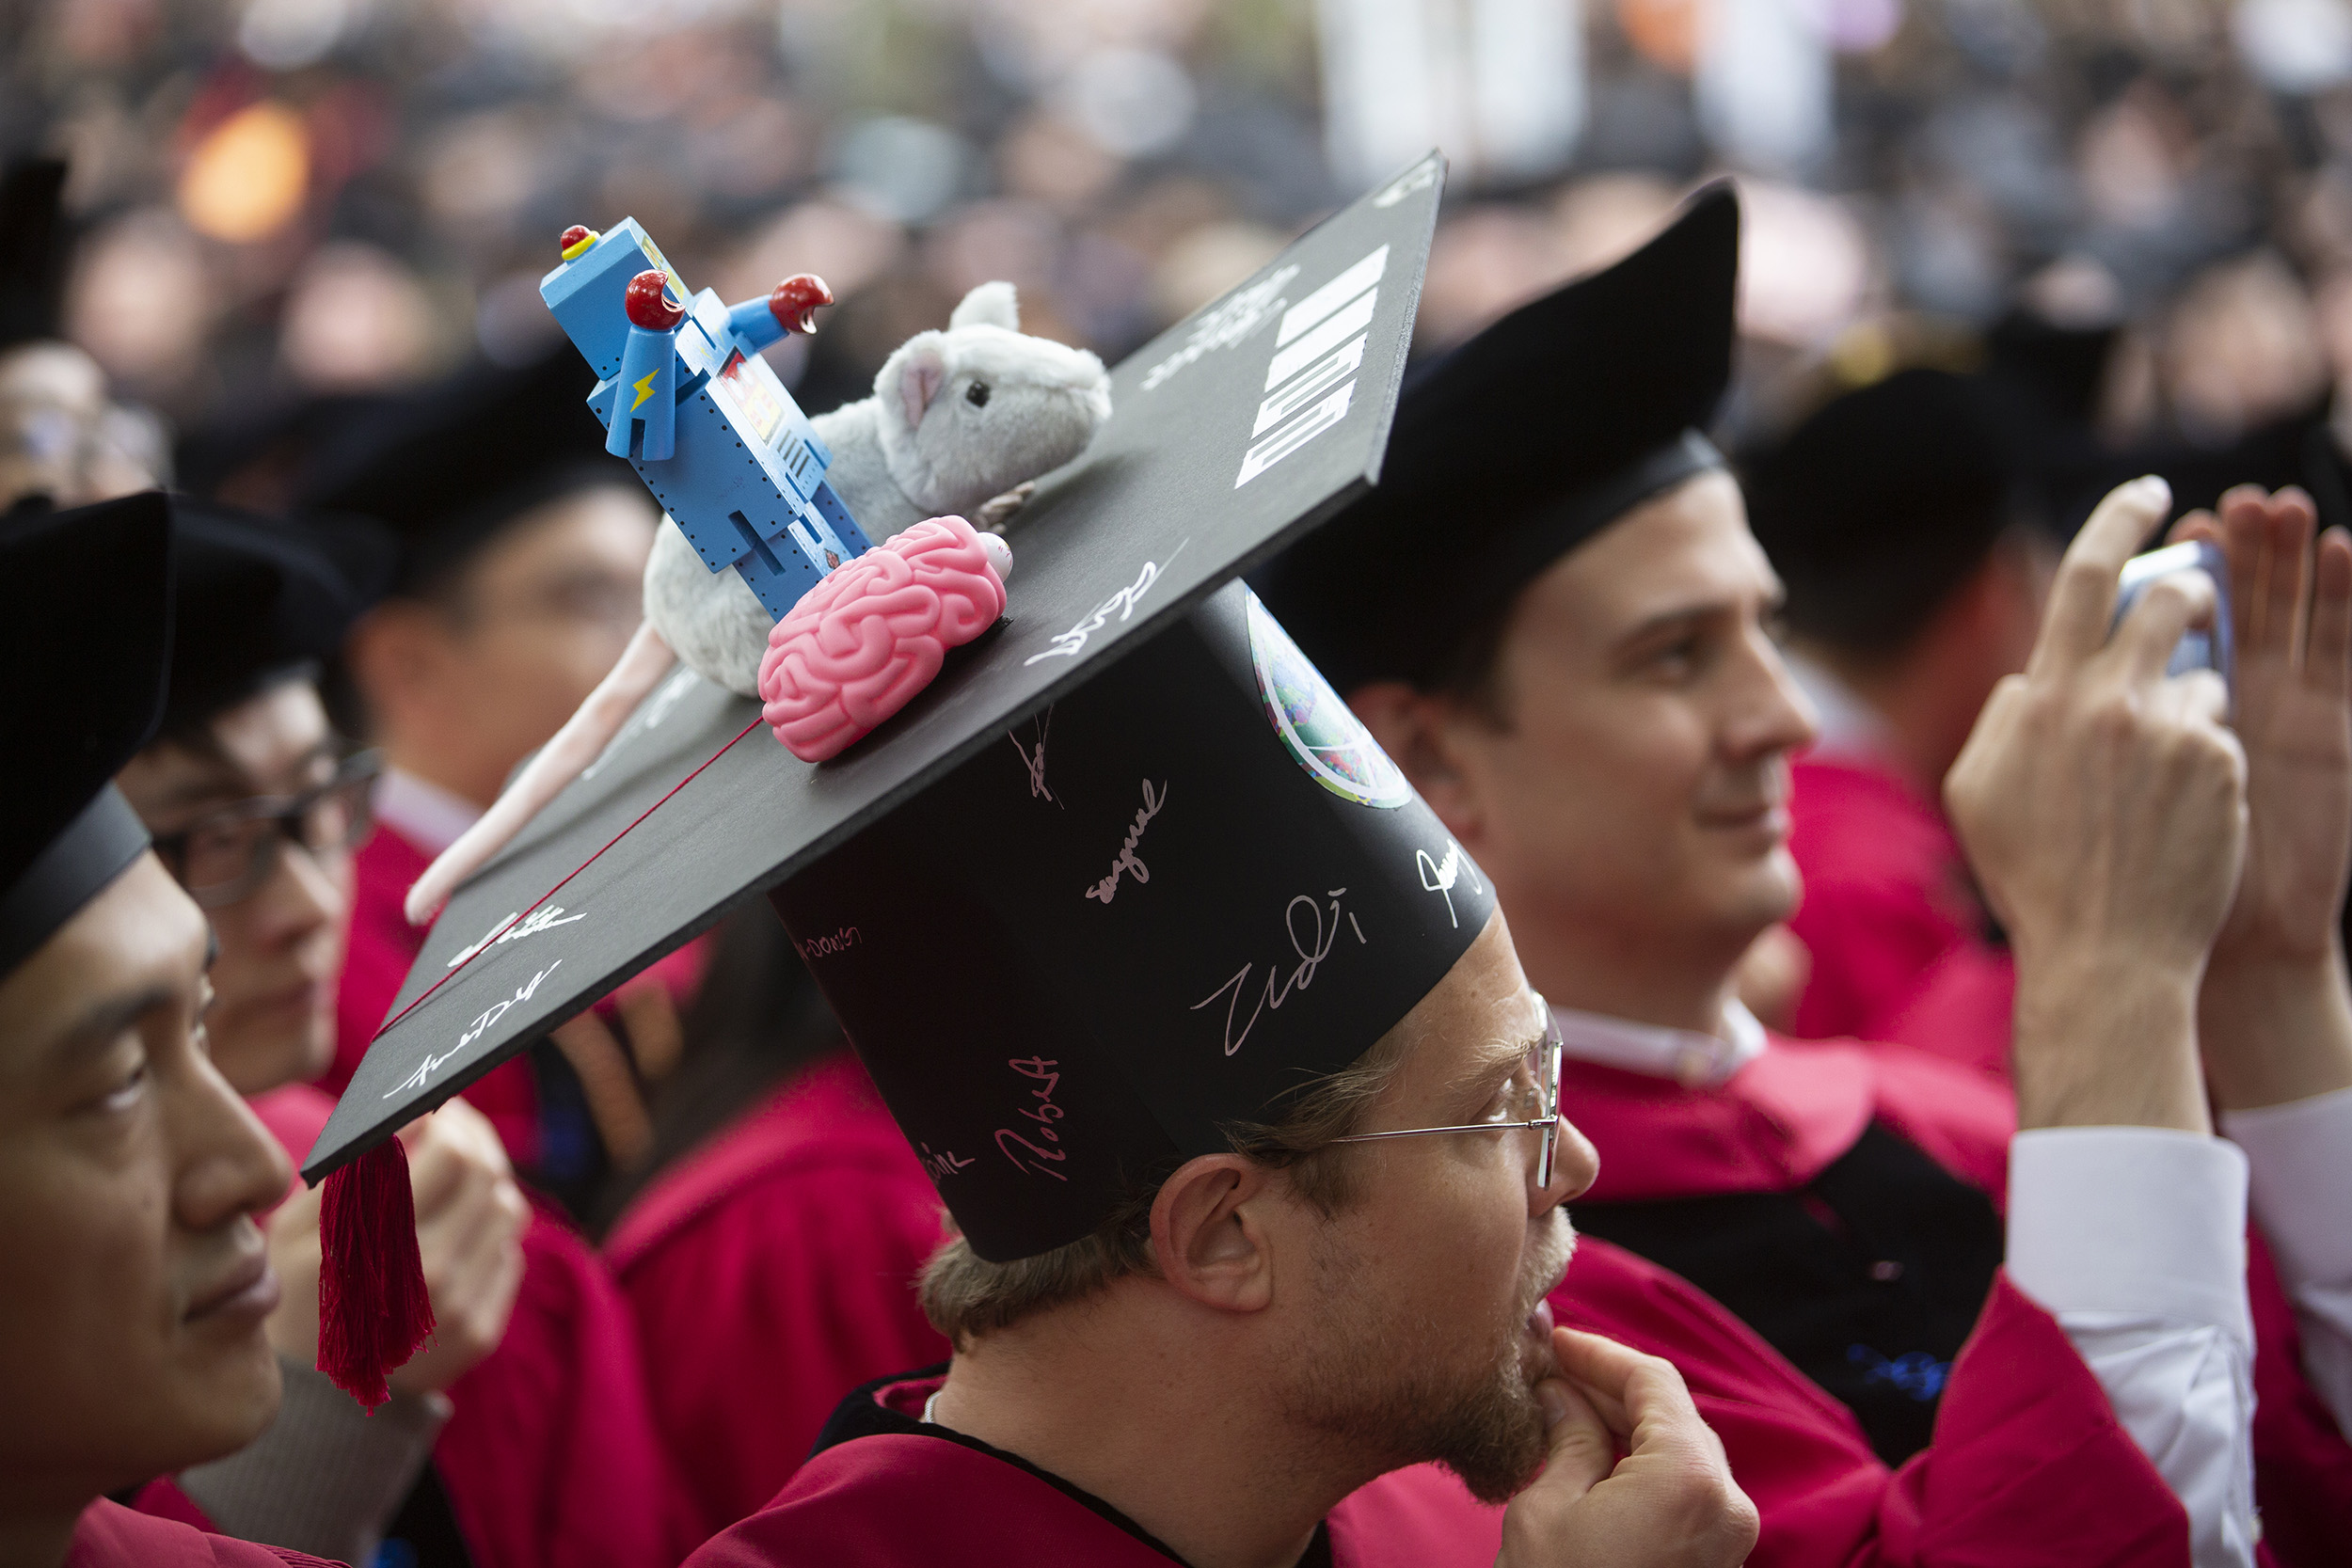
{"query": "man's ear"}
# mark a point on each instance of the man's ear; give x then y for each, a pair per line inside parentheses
(1209, 1235)
(1419, 733)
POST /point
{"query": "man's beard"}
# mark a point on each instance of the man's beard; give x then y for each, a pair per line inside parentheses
(1366, 1384)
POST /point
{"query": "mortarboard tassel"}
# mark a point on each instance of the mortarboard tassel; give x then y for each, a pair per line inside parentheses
(374, 1307)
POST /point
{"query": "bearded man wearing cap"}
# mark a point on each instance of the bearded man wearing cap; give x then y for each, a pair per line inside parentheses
(131, 1173)
(521, 1435)
(1249, 1138)
(1585, 687)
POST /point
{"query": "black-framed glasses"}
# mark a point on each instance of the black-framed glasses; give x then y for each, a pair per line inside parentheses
(226, 855)
(1535, 1100)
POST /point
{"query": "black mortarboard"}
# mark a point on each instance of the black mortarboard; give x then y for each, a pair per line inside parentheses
(85, 636)
(1518, 447)
(1878, 507)
(33, 244)
(1230, 894)
(449, 466)
(258, 596)
(1229, 436)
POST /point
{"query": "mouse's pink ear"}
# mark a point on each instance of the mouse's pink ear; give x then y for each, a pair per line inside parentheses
(920, 378)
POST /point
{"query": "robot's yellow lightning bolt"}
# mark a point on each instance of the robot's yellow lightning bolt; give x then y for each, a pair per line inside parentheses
(645, 389)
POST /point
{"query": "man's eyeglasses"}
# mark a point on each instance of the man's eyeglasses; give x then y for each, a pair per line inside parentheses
(226, 855)
(1535, 1103)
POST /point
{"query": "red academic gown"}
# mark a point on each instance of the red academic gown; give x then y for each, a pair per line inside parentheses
(887, 1490)
(1894, 924)
(167, 1530)
(1775, 1127)
(381, 949)
(550, 1459)
(771, 1272)
(2029, 1467)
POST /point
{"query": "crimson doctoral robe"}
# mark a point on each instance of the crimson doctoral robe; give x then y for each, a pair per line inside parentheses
(2029, 1467)
(550, 1459)
(1900, 943)
(900, 1492)
(771, 1272)
(167, 1531)
(1781, 1121)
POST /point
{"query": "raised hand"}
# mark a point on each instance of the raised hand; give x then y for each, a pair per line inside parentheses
(1669, 1501)
(2290, 596)
(2103, 807)
(2275, 1015)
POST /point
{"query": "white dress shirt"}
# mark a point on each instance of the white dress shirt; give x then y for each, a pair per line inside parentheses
(2134, 1239)
(2301, 1157)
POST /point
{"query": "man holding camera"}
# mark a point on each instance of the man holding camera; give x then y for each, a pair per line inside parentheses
(1589, 695)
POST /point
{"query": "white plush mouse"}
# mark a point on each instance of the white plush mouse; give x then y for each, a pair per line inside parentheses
(959, 422)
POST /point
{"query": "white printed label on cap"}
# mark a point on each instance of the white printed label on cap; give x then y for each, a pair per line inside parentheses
(1321, 731)
(1313, 311)
(1310, 377)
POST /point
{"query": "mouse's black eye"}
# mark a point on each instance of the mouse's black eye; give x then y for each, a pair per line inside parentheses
(976, 394)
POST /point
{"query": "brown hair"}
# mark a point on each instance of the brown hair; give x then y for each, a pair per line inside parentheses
(967, 1296)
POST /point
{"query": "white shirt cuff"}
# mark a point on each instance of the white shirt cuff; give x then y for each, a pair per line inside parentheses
(2142, 1220)
(2300, 1155)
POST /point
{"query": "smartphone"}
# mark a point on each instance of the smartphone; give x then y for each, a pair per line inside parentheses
(2200, 647)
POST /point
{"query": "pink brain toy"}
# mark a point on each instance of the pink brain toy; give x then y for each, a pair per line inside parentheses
(861, 643)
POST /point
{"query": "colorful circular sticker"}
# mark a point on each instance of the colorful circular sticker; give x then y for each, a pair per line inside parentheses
(1327, 738)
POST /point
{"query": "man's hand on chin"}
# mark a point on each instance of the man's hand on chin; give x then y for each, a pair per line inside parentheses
(1669, 1501)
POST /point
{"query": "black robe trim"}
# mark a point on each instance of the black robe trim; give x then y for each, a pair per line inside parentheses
(864, 1416)
(1869, 1279)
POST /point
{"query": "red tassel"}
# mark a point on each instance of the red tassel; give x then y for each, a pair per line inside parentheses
(374, 1309)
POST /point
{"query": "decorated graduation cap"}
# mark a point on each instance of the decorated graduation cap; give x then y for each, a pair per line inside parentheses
(35, 241)
(258, 597)
(86, 631)
(1133, 775)
(1187, 891)
(1518, 447)
(1877, 508)
(449, 467)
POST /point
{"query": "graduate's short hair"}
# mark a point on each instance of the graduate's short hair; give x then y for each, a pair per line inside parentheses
(967, 1296)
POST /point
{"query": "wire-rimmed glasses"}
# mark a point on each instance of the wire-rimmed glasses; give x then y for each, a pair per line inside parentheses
(1542, 1086)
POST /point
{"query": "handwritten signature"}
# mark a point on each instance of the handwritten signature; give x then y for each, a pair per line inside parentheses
(1439, 877)
(432, 1063)
(1069, 645)
(1035, 761)
(825, 948)
(943, 1165)
(1046, 1112)
(1312, 945)
(506, 930)
(1128, 865)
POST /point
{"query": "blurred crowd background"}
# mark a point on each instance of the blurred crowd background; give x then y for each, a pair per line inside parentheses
(288, 204)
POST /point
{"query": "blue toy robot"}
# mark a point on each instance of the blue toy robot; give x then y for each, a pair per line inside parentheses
(687, 399)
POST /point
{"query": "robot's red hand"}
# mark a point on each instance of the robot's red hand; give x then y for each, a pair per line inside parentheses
(649, 303)
(795, 301)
